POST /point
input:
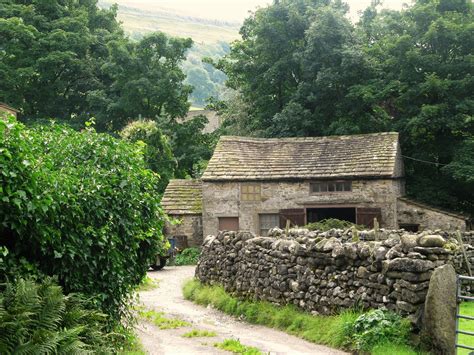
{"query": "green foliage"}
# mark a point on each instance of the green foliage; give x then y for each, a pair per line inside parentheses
(188, 256)
(466, 308)
(302, 69)
(71, 60)
(196, 333)
(39, 318)
(162, 322)
(198, 146)
(79, 205)
(148, 284)
(330, 223)
(206, 80)
(349, 329)
(158, 154)
(236, 347)
(378, 327)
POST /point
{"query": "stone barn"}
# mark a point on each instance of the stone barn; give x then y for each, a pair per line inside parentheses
(182, 201)
(254, 184)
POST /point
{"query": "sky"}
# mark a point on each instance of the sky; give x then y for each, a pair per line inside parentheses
(236, 10)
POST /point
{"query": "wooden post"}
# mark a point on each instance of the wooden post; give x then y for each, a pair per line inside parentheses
(287, 228)
(461, 244)
(376, 229)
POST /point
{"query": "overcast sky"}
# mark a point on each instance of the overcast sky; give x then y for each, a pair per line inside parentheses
(236, 10)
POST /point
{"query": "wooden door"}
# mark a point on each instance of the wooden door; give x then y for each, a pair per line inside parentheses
(296, 216)
(228, 223)
(365, 216)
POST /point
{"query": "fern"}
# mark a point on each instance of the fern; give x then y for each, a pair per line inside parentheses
(40, 319)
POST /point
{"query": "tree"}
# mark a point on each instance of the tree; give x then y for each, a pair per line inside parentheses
(192, 148)
(158, 154)
(424, 59)
(146, 81)
(71, 60)
(302, 69)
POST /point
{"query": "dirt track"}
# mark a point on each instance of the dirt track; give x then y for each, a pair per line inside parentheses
(168, 298)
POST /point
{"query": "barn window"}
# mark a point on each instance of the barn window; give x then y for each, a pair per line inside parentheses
(330, 186)
(268, 221)
(250, 192)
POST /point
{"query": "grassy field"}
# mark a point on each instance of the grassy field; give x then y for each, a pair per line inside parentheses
(152, 18)
(467, 308)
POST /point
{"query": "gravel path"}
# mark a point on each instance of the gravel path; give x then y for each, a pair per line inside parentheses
(168, 298)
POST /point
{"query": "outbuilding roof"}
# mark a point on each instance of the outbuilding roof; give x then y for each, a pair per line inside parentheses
(183, 197)
(355, 156)
(4, 106)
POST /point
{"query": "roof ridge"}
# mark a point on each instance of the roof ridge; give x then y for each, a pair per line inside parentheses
(296, 139)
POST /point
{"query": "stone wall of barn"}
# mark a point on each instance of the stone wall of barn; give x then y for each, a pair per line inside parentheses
(222, 199)
(190, 227)
(324, 272)
(427, 218)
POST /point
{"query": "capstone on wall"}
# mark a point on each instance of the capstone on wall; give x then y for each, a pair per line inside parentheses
(222, 199)
(190, 226)
(411, 213)
(325, 272)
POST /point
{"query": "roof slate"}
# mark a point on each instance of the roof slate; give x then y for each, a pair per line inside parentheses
(363, 156)
(183, 197)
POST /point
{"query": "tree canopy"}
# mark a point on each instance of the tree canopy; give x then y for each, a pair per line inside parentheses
(70, 60)
(303, 69)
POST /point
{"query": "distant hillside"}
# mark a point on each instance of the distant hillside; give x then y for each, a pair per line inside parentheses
(211, 38)
(140, 20)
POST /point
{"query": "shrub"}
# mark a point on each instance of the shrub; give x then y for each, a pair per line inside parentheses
(40, 319)
(158, 154)
(330, 223)
(82, 206)
(188, 256)
(378, 327)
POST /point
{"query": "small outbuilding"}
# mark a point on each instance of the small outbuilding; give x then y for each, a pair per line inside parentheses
(182, 201)
(8, 110)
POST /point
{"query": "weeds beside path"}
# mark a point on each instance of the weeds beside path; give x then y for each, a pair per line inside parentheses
(168, 299)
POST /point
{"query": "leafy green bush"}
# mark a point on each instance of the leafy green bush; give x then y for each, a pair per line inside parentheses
(188, 256)
(378, 327)
(158, 154)
(330, 223)
(80, 205)
(40, 319)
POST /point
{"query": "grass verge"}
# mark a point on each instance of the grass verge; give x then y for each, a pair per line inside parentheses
(196, 333)
(162, 322)
(333, 331)
(467, 309)
(236, 347)
(148, 284)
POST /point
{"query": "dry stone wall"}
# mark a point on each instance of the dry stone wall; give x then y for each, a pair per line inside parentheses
(324, 272)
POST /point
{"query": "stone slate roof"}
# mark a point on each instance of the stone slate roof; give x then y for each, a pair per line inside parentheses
(356, 156)
(183, 197)
(435, 209)
(6, 107)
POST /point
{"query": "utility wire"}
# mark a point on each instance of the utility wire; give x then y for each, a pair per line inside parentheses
(423, 161)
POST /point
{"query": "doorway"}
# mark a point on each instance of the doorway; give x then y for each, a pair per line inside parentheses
(318, 214)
